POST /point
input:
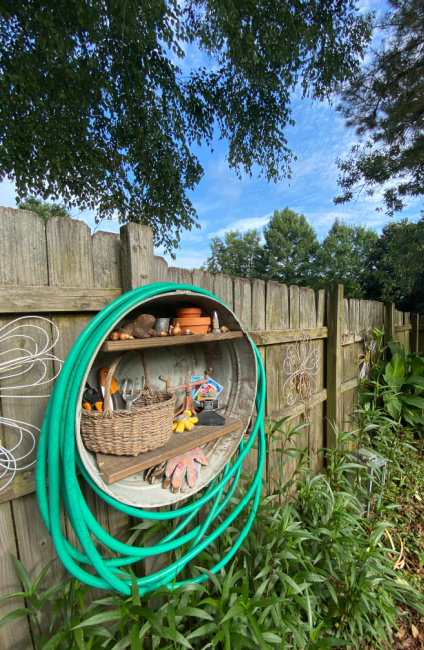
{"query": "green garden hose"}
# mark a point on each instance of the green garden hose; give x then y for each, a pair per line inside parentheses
(57, 446)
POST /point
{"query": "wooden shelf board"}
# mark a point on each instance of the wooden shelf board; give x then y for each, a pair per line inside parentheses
(160, 342)
(115, 468)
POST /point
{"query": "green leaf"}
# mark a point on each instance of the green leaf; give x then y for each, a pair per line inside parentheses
(394, 407)
(79, 638)
(43, 573)
(395, 367)
(16, 594)
(414, 380)
(123, 643)
(195, 612)
(135, 593)
(135, 643)
(182, 640)
(22, 574)
(210, 601)
(331, 642)
(413, 400)
(56, 640)
(104, 617)
(212, 576)
(234, 611)
(219, 636)
(417, 365)
(53, 590)
(257, 632)
(271, 637)
(17, 613)
(242, 641)
(203, 630)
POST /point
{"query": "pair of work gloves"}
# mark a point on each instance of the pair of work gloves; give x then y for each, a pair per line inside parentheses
(179, 473)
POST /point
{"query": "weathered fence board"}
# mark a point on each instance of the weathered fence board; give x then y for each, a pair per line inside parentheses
(203, 280)
(223, 288)
(160, 269)
(16, 635)
(58, 268)
(179, 276)
(23, 254)
(243, 301)
(107, 260)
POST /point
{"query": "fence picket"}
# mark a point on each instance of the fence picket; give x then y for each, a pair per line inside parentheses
(62, 254)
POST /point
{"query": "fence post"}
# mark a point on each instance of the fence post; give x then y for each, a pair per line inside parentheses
(415, 333)
(137, 260)
(334, 361)
(389, 325)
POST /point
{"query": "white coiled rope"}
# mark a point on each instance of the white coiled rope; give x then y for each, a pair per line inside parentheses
(26, 363)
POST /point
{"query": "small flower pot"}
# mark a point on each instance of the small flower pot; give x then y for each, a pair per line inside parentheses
(195, 325)
(189, 312)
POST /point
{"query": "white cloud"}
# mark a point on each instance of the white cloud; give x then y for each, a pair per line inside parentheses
(243, 225)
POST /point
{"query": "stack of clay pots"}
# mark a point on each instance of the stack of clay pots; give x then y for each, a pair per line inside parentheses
(190, 318)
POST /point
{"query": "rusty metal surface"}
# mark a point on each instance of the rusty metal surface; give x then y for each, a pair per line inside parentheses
(234, 367)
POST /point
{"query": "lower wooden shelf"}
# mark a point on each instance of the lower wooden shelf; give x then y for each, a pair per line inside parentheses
(115, 468)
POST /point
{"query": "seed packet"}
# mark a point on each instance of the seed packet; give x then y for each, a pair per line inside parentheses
(210, 390)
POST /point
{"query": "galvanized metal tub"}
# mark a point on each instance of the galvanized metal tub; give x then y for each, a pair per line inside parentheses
(234, 366)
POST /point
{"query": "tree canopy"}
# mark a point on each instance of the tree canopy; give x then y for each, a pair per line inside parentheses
(98, 108)
(290, 248)
(43, 208)
(344, 258)
(397, 261)
(389, 267)
(385, 104)
(235, 255)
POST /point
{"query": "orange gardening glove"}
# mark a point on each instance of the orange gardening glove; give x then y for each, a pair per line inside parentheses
(181, 472)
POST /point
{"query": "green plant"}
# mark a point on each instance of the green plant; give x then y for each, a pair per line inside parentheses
(58, 608)
(393, 388)
(312, 573)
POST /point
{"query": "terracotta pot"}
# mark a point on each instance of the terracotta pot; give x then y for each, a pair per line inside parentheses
(195, 325)
(189, 312)
(195, 329)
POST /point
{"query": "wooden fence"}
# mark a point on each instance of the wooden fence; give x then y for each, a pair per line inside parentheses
(59, 270)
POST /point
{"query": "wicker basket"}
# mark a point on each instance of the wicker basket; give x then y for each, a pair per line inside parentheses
(146, 426)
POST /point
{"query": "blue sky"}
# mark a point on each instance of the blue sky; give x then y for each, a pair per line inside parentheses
(223, 202)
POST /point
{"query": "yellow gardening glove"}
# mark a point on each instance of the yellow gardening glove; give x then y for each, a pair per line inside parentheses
(183, 421)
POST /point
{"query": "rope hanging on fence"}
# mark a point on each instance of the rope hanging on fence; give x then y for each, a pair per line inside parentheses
(57, 445)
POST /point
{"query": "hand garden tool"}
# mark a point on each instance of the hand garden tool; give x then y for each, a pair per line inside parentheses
(129, 394)
(116, 399)
(188, 404)
(92, 400)
(154, 473)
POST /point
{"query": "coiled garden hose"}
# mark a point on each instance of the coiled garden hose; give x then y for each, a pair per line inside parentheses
(57, 445)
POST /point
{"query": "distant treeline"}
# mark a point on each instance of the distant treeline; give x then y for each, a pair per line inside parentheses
(389, 267)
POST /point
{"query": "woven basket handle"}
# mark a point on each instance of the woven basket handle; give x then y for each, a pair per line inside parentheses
(107, 402)
(147, 382)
